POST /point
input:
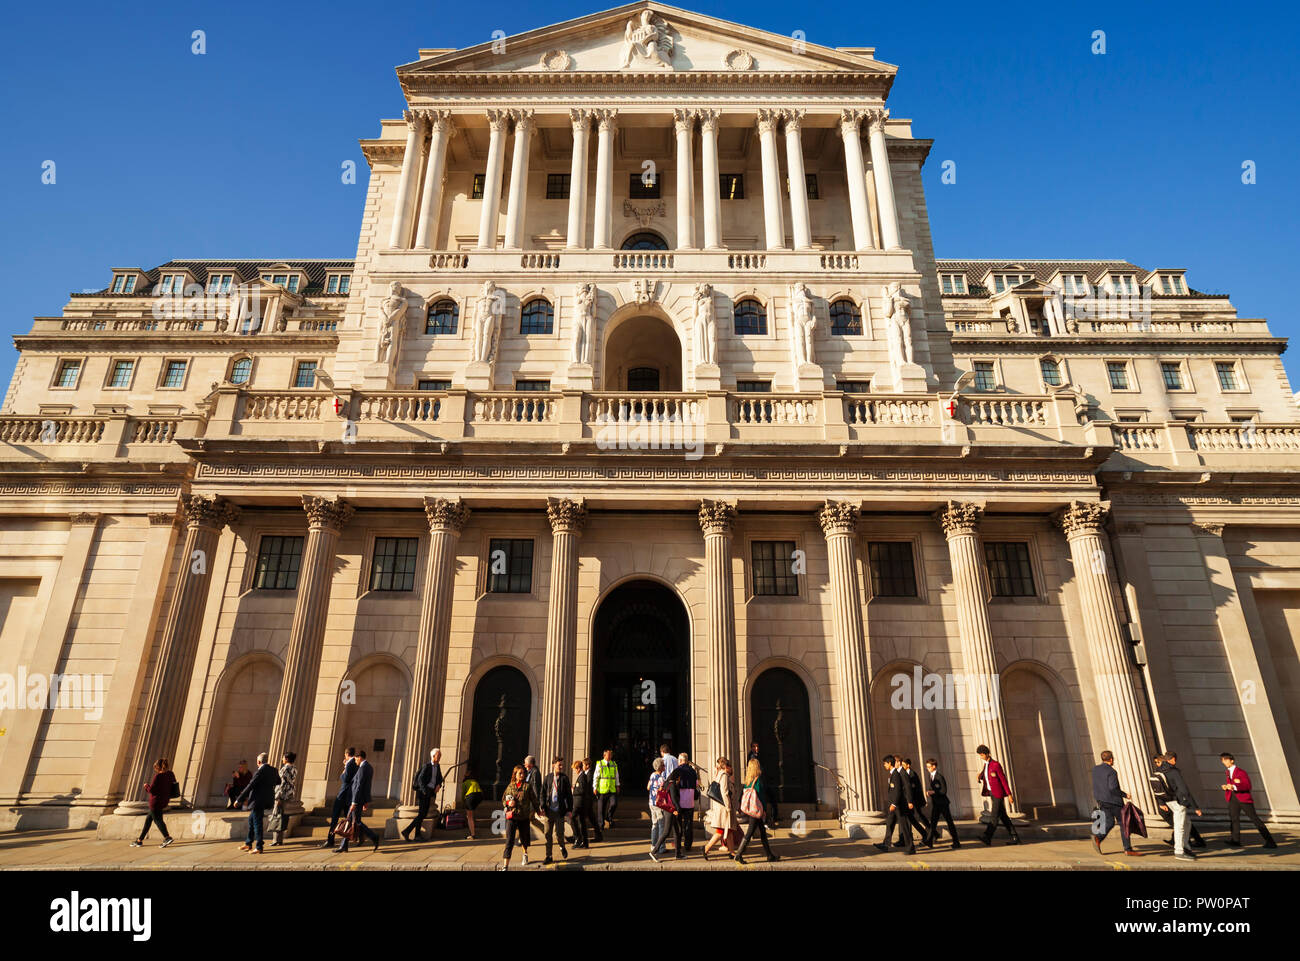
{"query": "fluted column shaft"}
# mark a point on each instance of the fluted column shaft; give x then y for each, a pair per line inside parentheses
(889, 235)
(979, 658)
(1108, 651)
(401, 232)
(435, 170)
(428, 690)
(604, 223)
(296, 707)
(852, 663)
(576, 235)
(773, 225)
(204, 519)
(712, 185)
(567, 519)
(519, 179)
(487, 224)
(684, 125)
(799, 222)
(716, 521)
(855, 169)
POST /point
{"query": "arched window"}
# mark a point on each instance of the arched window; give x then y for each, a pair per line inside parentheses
(845, 318)
(241, 370)
(1051, 370)
(645, 240)
(442, 318)
(537, 317)
(751, 318)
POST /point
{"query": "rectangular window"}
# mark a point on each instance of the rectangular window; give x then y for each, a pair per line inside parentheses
(278, 561)
(118, 281)
(892, 572)
(639, 189)
(338, 283)
(1009, 572)
(954, 283)
(541, 386)
(1130, 418)
(1076, 284)
(1051, 372)
(732, 186)
(129, 286)
(1123, 284)
(854, 386)
(121, 373)
(1172, 372)
(1117, 371)
(773, 566)
(753, 386)
(69, 372)
(810, 184)
(293, 283)
(393, 568)
(241, 371)
(476, 189)
(510, 566)
(429, 408)
(1165, 286)
(984, 379)
(434, 385)
(280, 280)
(304, 374)
(174, 374)
(557, 186)
(1227, 372)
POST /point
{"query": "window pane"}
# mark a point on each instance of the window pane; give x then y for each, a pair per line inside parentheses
(345, 283)
(643, 378)
(557, 186)
(810, 181)
(442, 318)
(892, 572)
(1009, 572)
(476, 191)
(984, 375)
(750, 318)
(306, 374)
(854, 386)
(773, 567)
(394, 564)
(1173, 375)
(537, 317)
(278, 561)
(175, 376)
(240, 372)
(68, 372)
(1117, 370)
(510, 566)
(1227, 375)
(1051, 373)
(845, 318)
(121, 373)
(732, 186)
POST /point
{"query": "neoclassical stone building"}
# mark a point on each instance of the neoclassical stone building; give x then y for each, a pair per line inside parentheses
(644, 412)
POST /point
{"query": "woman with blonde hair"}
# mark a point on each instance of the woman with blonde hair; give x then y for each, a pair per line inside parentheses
(751, 809)
(521, 805)
(721, 817)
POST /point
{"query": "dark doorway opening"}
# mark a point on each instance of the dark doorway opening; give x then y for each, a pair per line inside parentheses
(503, 704)
(783, 730)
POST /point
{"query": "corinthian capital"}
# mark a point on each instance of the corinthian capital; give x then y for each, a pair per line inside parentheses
(566, 516)
(1081, 518)
(683, 120)
(838, 517)
(793, 120)
(960, 518)
(498, 120)
(523, 120)
(605, 118)
(325, 513)
(211, 512)
(446, 514)
(440, 120)
(851, 120)
(708, 118)
(768, 120)
(717, 517)
(581, 119)
(876, 118)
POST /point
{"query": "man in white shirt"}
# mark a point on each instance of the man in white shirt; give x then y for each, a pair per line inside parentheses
(670, 761)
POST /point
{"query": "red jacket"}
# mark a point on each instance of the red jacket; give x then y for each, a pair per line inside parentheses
(1240, 781)
(997, 785)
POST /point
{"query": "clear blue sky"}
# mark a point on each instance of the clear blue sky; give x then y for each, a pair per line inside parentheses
(1134, 154)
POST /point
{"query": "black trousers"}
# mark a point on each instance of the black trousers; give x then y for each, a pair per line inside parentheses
(898, 816)
(362, 833)
(606, 805)
(755, 826)
(414, 827)
(554, 826)
(516, 830)
(338, 812)
(673, 824)
(941, 808)
(686, 833)
(918, 821)
(1235, 810)
(1000, 817)
(153, 817)
(1168, 816)
(581, 824)
(1113, 819)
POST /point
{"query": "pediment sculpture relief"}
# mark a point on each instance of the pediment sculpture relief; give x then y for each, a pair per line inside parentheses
(646, 41)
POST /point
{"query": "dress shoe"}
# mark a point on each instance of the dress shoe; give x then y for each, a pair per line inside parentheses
(1015, 839)
(1096, 843)
(547, 861)
(986, 840)
(327, 843)
(1232, 844)
(883, 847)
(376, 847)
(1133, 854)
(956, 845)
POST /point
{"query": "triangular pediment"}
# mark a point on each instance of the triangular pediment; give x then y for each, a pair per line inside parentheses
(647, 37)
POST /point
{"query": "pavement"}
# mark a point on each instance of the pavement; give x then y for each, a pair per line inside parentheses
(627, 848)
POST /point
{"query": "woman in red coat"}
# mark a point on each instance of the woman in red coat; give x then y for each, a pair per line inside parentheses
(160, 795)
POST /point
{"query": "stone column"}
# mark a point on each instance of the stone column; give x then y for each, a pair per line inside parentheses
(798, 185)
(850, 132)
(487, 224)
(519, 179)
(576, 237)
(774, 226)
(401, 233)
(712, 184)
(979, 659)
(204, 519)
(852, 666)
(434, 173)
(684, 125)
(716, 521)
(1108, 651)
(296, 708)
(604, 225)
(446, 521)
(884, 182)
(567, 519)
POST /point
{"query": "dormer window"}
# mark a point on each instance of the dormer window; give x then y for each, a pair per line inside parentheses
(1122, 284)
(288, 281)
(1172, 284)
(338, 283)
(220, 283)
(1076, 285)
(1004, 282)
(171, 285)
(954, 283)
(124, 284)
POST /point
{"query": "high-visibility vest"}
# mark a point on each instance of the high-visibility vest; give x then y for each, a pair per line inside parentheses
(606, 776)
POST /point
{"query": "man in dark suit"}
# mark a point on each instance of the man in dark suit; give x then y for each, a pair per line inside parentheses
(1110, 799)
(1236, 791)
(260, 795)
(344, 797)
(937, 791)
(1160, 788)
(360, 800)
(994, 785)
(557, 801)
(427, 783)
(918, 802)
(898, 794)
(533, 775)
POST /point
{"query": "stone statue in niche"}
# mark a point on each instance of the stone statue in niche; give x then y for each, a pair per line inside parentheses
(647, 39)
(705, 325)
(898, 325)
(392, 314)
(803, 321)
(584, 322)
(487, 314)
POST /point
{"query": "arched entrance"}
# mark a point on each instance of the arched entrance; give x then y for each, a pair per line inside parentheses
(244, 721)
(901, 723)
(640, 681)
(1036, 730)
(642, 353)
(783, 730)
(375, 721)
(503, 706)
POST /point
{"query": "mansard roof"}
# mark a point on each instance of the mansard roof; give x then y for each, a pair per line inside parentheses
(1044, 270)
(315, 269)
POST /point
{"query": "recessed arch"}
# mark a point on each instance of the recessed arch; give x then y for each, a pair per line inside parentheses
(374, 705)
(501, 713)
(248, 690)
(1043, 730)
(642, 239)
(642, 338)
(781, 721)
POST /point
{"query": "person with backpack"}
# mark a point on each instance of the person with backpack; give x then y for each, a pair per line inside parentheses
(162, 788)
(751, 808)
(427, 782)
(607, 785)
(1180, 802)
(1160, 788)
(520, 803)
(582, 802)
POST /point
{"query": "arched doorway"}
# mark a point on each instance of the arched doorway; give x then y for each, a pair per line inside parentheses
(783, 729)
(640, 679)
(375, 721)
(503, 706)
(901, 724)
(1035, 728)
(642, 353)
(244, 721)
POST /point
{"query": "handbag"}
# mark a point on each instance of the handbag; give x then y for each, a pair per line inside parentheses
(176, 788)
(715, 792)
(346, 828)
(750, 804)
(664, 801)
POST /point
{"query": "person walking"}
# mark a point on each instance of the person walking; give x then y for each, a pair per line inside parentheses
(582, 803)
(1160, 788)
(607, 785)
(751, 807)
(1236, 791)
(898, 795)
(285, 792)
(1180, 802)
(344, 797)
(557, 802)
(994, 784)
(658, 816)
(534, 777)
(520, 803)
(914, 813)
(722, 820)
(771, 812)
(937, 791)
(238, 781)
(259, 794)
(686, 784)
(1110, 800)
(427, 782)
(358, 803)
(162, 787)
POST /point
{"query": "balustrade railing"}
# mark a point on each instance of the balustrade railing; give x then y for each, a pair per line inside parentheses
(514, 407)
(405, 407)
(618, 408)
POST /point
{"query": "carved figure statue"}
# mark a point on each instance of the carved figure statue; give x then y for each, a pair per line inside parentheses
(585, 320)
(392, 313)
(705, 325)
(486, 318)
(898, 325)
(803, 323)
(647, 39)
